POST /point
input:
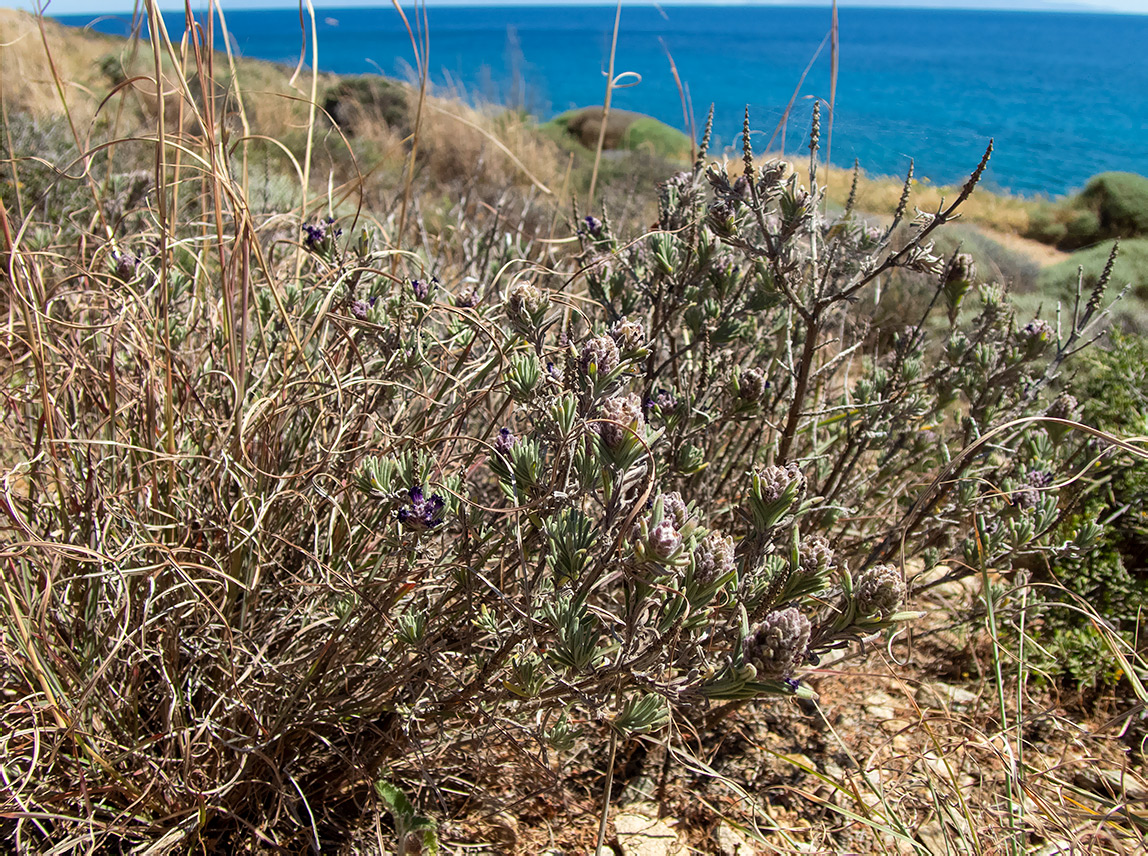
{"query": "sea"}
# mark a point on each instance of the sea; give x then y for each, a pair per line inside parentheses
(1063, 95)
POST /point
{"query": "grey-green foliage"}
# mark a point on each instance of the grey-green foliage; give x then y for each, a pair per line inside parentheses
(295, 546)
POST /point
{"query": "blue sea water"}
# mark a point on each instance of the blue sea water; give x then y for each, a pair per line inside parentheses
(1064, 95)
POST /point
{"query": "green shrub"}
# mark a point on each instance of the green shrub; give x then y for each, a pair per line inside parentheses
(1081, 229)
(1120, 200)
(1112, 205)
(1111, 578)
(1044, 226)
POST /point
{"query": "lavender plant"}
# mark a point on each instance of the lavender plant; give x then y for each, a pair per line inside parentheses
(290, 508)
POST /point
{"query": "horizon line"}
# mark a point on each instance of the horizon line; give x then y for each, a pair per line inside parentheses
(1086, 7)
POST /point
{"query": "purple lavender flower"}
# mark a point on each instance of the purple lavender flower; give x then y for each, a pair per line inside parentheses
(592, 226)
(504, 442)
(662, 399)
(422, 288)
(423, 513)
(319, 234)
(359, 309)
(315, 235)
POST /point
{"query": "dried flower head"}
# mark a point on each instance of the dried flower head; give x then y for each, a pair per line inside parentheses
(1035, 336)
(1064, 407)
(880, 590)
(962, 270)
(624, 409)
(524, 302)
(359, 309)
(124, 264)
(774, 491)
(468, 296)
(751, 385)
(778, 645)
(629, 335)
(674, 509)
(775, 481)
(600, 356)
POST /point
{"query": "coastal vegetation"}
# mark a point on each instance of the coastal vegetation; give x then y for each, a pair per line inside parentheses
(369, 485)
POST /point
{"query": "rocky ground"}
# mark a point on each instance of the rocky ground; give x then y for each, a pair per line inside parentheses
(903, 753)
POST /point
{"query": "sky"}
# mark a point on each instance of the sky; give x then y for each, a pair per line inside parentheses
(69, 7)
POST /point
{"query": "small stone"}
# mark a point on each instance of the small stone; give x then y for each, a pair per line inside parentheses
(879, 706)
(640, 835)
(730, 842)
(1109, 783)
(941, 696)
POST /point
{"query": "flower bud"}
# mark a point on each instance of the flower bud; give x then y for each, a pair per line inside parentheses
(624, 409)
(713, 558)
(599, 356)
(778, 645)
(879, 590)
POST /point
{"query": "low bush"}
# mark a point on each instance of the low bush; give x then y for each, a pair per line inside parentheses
(1120, 201)
(305, 504)
(1109, 582)
(1112, 205)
